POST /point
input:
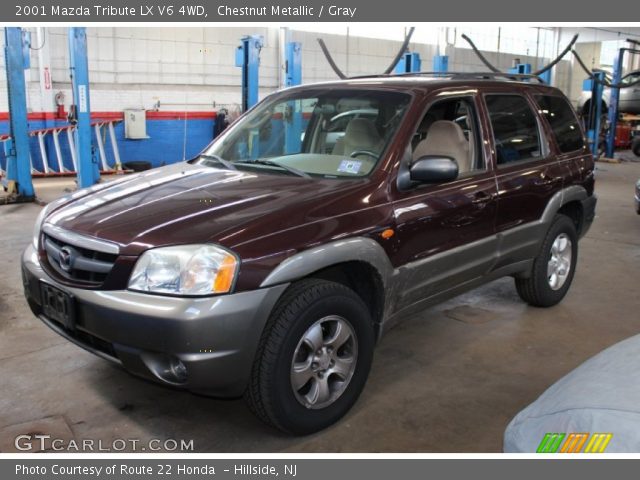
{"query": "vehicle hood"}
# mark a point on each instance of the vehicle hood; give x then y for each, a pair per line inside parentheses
(184, 203)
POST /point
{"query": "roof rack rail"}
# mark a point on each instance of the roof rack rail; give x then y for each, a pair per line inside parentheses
(461, 75)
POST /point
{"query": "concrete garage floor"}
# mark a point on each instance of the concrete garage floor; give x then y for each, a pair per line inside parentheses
(448, 380)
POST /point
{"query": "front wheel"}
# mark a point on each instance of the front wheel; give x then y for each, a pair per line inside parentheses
(313, 359)
(554, 267)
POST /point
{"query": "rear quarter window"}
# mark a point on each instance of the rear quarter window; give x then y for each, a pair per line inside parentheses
(563, 122)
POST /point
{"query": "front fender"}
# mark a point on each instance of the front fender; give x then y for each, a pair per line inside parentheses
(309, 261)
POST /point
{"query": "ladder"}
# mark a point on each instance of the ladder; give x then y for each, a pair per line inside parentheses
(104, 131)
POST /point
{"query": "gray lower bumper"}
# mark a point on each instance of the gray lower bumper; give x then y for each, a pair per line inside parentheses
(215, 338)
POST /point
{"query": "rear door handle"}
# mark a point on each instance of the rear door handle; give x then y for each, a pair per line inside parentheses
(546, 180)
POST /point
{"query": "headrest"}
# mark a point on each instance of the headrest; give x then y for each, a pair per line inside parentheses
(362, 131)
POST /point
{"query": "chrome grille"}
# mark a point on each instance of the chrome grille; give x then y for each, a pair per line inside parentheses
(75, 261)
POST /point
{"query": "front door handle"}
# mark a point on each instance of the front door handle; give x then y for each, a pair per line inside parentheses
(481, 198)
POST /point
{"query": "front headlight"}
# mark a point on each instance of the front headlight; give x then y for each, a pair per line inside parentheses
(185, 270)
(38, 226)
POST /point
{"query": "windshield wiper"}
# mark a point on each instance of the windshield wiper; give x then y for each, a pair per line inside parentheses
(271, 163)
(225, 163)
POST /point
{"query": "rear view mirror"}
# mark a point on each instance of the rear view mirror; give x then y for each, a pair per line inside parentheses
(434, 169)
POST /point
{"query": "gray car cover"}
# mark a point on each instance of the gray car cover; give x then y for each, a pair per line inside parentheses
(600, 396)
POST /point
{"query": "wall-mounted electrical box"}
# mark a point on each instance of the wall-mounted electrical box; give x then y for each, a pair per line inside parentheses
(135, 124)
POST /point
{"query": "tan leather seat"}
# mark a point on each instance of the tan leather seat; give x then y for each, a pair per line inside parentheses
(446, 138)
(428, 120)
(361, 134)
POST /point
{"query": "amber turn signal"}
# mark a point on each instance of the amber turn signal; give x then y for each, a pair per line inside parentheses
(388, 233)
(226, 272)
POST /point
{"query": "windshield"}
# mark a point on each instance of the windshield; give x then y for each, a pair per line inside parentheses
(631, 78)
(316, 132)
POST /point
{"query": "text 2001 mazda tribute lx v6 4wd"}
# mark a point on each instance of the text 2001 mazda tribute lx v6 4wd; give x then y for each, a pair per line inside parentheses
(271, 264)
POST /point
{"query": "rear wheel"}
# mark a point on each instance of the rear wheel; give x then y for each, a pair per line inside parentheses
(137, 165)
(553, 268)
(313, 359)
(635, 146)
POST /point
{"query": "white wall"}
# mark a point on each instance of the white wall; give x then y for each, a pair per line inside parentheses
(194, 68)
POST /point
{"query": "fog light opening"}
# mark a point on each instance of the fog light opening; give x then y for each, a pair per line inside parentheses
(178, 370)
(167, 368)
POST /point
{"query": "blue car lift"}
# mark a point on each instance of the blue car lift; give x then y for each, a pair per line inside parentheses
(441, 63)
(521, 69)
(525, 69)
(408, 63)
(293, 115)
(546, 76)
(88, 171)
(594, 119)
(248, 58)
(18, 182)
(615, 99)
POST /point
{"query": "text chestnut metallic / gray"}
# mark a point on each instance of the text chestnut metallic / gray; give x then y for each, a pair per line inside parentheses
(270, 265)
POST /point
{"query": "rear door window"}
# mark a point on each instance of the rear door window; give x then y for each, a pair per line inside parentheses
(563, 122)
(515, 128)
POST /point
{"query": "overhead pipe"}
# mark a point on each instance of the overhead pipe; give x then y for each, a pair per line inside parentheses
(329, 58)
(597, 80)
(567, 49)
(480, 55)
(388, 70)
(550, 65)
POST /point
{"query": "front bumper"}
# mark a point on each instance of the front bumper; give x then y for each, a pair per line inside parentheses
(215, 338)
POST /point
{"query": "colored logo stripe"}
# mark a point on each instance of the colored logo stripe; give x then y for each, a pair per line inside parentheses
(550, 443)
(574, 442)
(598, 443)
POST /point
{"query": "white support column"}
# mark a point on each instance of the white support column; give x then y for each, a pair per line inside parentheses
(103, 157)
(33, 169)
(44, 69)
(43, 152)
(56, 144)
(114, 147)
(557, 38)
(72, 147)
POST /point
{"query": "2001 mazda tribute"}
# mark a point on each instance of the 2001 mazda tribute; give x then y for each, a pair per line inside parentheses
(271, 264)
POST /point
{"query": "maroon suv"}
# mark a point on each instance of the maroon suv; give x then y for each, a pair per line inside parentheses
(270, 265)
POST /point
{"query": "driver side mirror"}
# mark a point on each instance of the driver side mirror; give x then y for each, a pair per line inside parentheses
(434, 169)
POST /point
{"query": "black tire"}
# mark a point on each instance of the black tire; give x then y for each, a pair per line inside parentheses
(635, 146)
(137, 165)
(536, 290)
(270, 394)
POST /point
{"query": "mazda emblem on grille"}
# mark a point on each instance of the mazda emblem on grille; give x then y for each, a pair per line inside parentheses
(66, 258)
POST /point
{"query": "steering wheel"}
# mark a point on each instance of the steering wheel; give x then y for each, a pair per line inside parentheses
(260, 122)
(368, 153)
